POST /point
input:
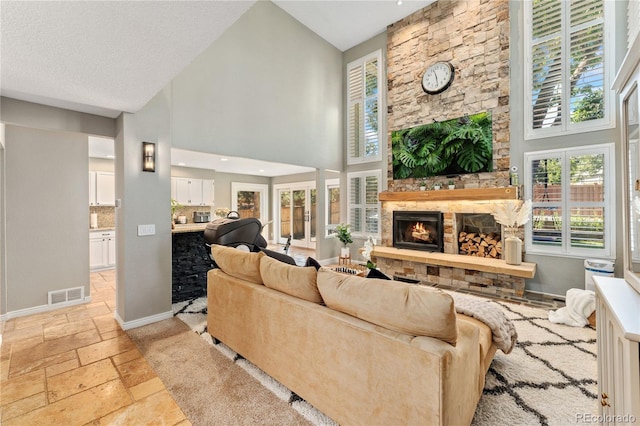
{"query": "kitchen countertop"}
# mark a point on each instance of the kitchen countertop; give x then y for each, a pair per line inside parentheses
(188, 227)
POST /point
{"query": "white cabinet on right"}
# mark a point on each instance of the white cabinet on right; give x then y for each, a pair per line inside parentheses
(618, 338)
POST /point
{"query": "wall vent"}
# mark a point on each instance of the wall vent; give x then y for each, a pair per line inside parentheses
(75, 294)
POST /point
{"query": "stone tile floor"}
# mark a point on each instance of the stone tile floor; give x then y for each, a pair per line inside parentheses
(75, 366)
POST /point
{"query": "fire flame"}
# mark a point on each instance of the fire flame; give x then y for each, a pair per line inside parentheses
(419, 227)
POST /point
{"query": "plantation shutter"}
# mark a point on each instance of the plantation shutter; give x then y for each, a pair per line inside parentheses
(355, 204)
(586, 63)
(363, 109)
(372, 211)
(546, 59)
(546, 202)
(356, 98)
(572, 201)
(587, 200)
(568, 86)
(364, 207)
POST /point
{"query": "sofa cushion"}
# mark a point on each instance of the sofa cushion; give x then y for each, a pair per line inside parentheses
(238, 263)
(406, 308)
(282, 257)
(296, 281)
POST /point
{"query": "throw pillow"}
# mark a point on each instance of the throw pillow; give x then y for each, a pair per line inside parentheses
(238, 263)
(406, 308)
(312, 262)
(292, 280)
(374, 273)
(278, 256)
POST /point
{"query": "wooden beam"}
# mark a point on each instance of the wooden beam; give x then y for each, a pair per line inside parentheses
(476, 194)
(483, 264)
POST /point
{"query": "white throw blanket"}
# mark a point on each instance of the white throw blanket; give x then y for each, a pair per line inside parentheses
(503, 331)
(580, 304)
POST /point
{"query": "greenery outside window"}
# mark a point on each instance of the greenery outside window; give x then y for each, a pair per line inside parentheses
(332, 191)
(572, 194)
(364, 207)
(364, 109)
(568, 67)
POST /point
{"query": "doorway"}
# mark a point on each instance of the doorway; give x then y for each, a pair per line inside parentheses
(251, 200)
(295, 214)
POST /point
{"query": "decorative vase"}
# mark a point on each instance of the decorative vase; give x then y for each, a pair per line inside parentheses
(512, 246)
(344, 252)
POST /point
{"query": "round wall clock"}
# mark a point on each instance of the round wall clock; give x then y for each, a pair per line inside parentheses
(437, 78)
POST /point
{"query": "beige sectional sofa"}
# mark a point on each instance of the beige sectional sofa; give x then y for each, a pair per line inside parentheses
(362, 351)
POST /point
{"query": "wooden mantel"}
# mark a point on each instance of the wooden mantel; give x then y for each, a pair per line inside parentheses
(496, 266)
(474, 194)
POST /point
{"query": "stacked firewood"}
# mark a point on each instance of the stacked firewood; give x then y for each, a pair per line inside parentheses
(480, 244)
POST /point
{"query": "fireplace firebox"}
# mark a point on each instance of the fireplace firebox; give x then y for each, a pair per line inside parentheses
(418, 230)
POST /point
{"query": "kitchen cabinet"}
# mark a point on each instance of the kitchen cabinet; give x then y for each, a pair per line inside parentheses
(92, 188)
(207, 192)
(191, 191)
(102, 189)
(102, 249)
(618, 339)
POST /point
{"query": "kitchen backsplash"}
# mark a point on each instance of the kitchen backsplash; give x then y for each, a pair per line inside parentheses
(106, 215)
(189, 210)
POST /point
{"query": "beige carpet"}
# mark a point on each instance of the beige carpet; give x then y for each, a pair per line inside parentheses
(209, 388)
(548, 379)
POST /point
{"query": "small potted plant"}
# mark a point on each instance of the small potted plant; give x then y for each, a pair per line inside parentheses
(175, 206)
(452, 184)
(437, 186)
(423, 185)
(344, 235)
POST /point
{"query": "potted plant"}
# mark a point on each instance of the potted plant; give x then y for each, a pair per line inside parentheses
(452, 184)
(423, 185)
(175, 206)
(437, 186)
(344, 235)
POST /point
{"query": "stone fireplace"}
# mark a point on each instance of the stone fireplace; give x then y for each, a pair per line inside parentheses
(466, 210)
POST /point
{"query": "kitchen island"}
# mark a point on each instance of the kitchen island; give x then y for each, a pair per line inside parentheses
(190, 262)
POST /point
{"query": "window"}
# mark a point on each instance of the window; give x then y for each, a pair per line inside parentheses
(332, 191)
(568, 67)
(572, 194)
(364, 208)
(364, 109)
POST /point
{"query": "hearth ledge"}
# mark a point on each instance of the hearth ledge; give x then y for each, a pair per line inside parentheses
(482, 264)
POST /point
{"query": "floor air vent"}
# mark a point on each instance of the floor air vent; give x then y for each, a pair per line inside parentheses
(75, 294)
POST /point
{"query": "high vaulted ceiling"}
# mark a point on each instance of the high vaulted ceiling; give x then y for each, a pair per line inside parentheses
(104, 57)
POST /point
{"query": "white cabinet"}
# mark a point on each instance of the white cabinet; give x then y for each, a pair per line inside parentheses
(618, 338)
(207, 192)
(92, 188)
(105, 189)
(102, 189)
(102, 249)
(192, 192)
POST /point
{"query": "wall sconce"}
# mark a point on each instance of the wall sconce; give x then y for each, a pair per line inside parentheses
(148, 157)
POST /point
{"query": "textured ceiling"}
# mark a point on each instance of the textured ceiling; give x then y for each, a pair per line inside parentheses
(104, 57)
(100, 56)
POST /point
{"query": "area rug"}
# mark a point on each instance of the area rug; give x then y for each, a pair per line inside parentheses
(548, 379)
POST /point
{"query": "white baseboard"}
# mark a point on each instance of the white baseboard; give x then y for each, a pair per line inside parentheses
(128, 325)
(41, 309)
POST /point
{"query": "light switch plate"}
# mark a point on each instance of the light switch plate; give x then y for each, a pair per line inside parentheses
(144, 230)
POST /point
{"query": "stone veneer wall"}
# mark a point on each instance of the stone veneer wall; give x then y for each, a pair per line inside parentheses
(455, 278)
(474, 36)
